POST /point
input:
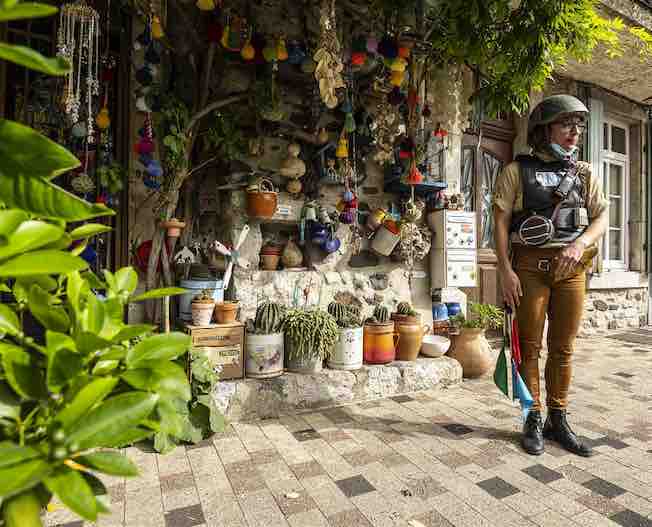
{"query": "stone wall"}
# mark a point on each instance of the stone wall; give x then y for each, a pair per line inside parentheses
(612, 309)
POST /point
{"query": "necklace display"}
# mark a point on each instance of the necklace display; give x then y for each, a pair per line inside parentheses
(78, 42)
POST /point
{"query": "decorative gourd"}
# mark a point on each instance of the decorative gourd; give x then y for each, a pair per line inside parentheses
(404, 308)
(269, 318)
(381, 314)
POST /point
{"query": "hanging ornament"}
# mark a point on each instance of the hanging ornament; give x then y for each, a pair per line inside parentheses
(79, 130)
(342, 151)
(248, 52)
(154, 169)
(348, 196)
(270, 52)
(78, 43)
(397, 78)
(323, 137)
(157, 28)
(103, 121)
(403, 52)
(281, 50)
(414, 175)
(233, 34)
(206, 5)
(328, 57)
(144, 146)
(398, 64)
(349, 123)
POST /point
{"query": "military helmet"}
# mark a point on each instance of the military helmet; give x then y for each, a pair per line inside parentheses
(548, 110)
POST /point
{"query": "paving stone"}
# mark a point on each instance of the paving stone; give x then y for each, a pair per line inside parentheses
(360, 458)
(458, 429)
(542, 473)
(432, 519)
(354, 486)
(185, 517)
(306, 434)
(313, 518)
(604, 488)
(629, 518)
(307, 470)
(498, 488)
(600, 504)
(290, 505)
(351, 518)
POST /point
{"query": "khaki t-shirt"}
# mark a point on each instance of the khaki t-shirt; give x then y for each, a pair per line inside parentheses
(508, 192)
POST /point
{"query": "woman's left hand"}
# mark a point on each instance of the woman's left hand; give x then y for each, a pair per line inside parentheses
(570, 256)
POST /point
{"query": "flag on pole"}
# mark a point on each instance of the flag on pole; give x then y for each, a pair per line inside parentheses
(507, 376)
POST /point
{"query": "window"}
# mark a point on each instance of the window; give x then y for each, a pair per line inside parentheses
(615, 165)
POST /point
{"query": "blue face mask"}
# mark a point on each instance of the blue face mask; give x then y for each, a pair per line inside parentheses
(561, 153)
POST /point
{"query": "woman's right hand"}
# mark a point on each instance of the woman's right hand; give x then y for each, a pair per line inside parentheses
(511, 285)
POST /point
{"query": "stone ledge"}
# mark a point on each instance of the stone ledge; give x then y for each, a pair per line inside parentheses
(251, 399)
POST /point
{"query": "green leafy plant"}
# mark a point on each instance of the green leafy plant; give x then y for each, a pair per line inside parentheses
(483, 316)
(311, 333)
(111, 177)
(225, 139)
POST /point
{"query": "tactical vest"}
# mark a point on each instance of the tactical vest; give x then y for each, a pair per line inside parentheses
(539, 180)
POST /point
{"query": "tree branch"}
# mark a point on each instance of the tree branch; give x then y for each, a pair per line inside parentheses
(211, 107)
(202, 165)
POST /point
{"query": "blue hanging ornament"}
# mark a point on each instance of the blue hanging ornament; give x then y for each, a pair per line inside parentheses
(89, 255)
(348, 196)
(145, 159)
(154, 169)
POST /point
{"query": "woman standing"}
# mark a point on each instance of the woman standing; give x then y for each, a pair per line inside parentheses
(551, 210)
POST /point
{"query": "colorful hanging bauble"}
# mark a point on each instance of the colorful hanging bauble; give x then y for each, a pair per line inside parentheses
(395, 97)
(348, 196)
(398, 64)
(248, 52)
(403, 52)
(296, 53)
(342, 151)
(154, 169)
(323, 136)
(145, 159)
(144, 146)
(372, 45)
(157, 28)
(358, 58)
(232, 39)
(349, 123)
(387, 47)
(281, 50)
(414, 175)
(214, 32)
(206, 5)
(270, 52)
(347, 216)
(397, 78)
(103, 120)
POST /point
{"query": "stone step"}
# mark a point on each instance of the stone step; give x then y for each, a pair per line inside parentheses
(251, 399)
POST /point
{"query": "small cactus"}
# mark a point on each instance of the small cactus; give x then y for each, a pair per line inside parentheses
(269, 318)
(347, 316)
(404, 308)
(381, 313)
(337, 310)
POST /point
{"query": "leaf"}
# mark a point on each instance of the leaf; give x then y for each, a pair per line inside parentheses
(9, 322)
(102, 367)
(126, 279)
(44, 281)
(93, 281)
(105, 422)
(132, 331)
(75, 290)
(159, 347)
(52, 317)
(217, 420)
(88, 230)
(33, 60)
(90, 395)
(63, 365)
(11, 453)
(44, 199)
(27, 10)
(23, 510)
(9, 222)
(42, 262)
(93, 315)
(24, 377)
(160, 377)
(73, 490)
(89, 343)
(112, 463)
(129, 437)
(56, 341)
(22, 476)
(28, 236)
(159, 293)
(9, 403)
(163, 443)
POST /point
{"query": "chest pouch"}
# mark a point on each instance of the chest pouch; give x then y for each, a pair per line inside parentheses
(536, 230)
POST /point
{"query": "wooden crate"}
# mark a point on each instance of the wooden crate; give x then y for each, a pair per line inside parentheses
(223, 344)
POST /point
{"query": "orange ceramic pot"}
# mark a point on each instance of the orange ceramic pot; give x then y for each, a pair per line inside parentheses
(262, 203)
(226, 312)
(378, 343)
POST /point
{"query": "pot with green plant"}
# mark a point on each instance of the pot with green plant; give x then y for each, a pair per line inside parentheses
(264, 346)
(405, 313)
(347, 353)
(379, 345)
(309, 339)
(471, 348)
(202, 308)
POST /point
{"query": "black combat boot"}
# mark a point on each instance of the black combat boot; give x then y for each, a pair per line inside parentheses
(557, 429)
(532, 438)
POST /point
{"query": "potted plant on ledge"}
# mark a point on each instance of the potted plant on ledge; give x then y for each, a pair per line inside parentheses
(264, 344)
(309, 339)
(471, 348)
(347, 354)
(202, 307)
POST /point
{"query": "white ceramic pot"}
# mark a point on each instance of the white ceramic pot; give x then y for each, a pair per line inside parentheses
(264, 355)
(202, 314)
(434, 345)
(347, 354)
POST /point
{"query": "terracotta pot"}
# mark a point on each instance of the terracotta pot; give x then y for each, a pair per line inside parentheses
(471, 349)
(270, 261)
(226, 312)
(173, 227)
(378, 343)
(202, 313)
(262, 202)
(410, 337)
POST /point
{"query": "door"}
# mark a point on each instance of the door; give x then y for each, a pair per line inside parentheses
(481, 164)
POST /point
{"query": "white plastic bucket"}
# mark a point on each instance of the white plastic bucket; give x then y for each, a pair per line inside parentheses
(194, 288)
(347, 354)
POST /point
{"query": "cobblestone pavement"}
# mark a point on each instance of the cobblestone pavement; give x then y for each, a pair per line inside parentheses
(440, 458)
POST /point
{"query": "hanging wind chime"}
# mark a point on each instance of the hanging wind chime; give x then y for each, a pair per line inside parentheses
(78, 43)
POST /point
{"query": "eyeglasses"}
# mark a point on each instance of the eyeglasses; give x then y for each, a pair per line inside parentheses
(568, 124)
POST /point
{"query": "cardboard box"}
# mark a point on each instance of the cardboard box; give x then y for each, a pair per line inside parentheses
(223, 344)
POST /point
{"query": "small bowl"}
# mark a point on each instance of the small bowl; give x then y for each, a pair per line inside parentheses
(434, 345)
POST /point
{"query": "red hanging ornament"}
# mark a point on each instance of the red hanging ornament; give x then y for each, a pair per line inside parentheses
(358, 58)
(414, 176)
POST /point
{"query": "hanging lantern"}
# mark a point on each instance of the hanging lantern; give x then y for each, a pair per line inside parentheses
(248, 52)
(349, 123)
(342, 150)
(103, 121)
(281, 50)
(157, 28)
(206, 5)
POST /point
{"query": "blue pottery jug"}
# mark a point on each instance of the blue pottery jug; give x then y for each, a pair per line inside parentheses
(439, 311)
(453, 308)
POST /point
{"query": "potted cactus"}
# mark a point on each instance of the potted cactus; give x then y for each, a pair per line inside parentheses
(347, 354)
(405, 313)
(264, 347)
(378, 340)
(309, 339)
(202, 308)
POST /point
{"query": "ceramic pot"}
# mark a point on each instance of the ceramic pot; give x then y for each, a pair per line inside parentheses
(173, 227)
(226, 312)
(292, 255)
(301, 364)
(471, 349)
(270, 255)
(378, 343)
(264, 355)
(385, 239)
(262, 202)
(202, 313)
(410, 337)
(348, 351)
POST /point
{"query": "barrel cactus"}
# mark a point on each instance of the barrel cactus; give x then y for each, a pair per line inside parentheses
(269, 318)
(403, 308)
(337, 310)
(381, 314)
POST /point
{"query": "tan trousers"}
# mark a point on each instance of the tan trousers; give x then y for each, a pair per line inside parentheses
(545, 292)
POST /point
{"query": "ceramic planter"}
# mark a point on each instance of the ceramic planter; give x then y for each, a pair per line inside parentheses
(202, 313)
(378, 343)
(173, 227)
(264, 355)
(348, 351)
(471, 349)
(295, 363)
(226, 312)
(386, 239)
(410, 337)
(270, 257)
(262, 200)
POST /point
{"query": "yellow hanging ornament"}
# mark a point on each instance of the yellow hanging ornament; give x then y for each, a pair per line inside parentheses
(399, 64)
(248, 52)
(342, 148)
(281, 50)
(397, 78)
(206, 5)
(103, 121)
(157, 28)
